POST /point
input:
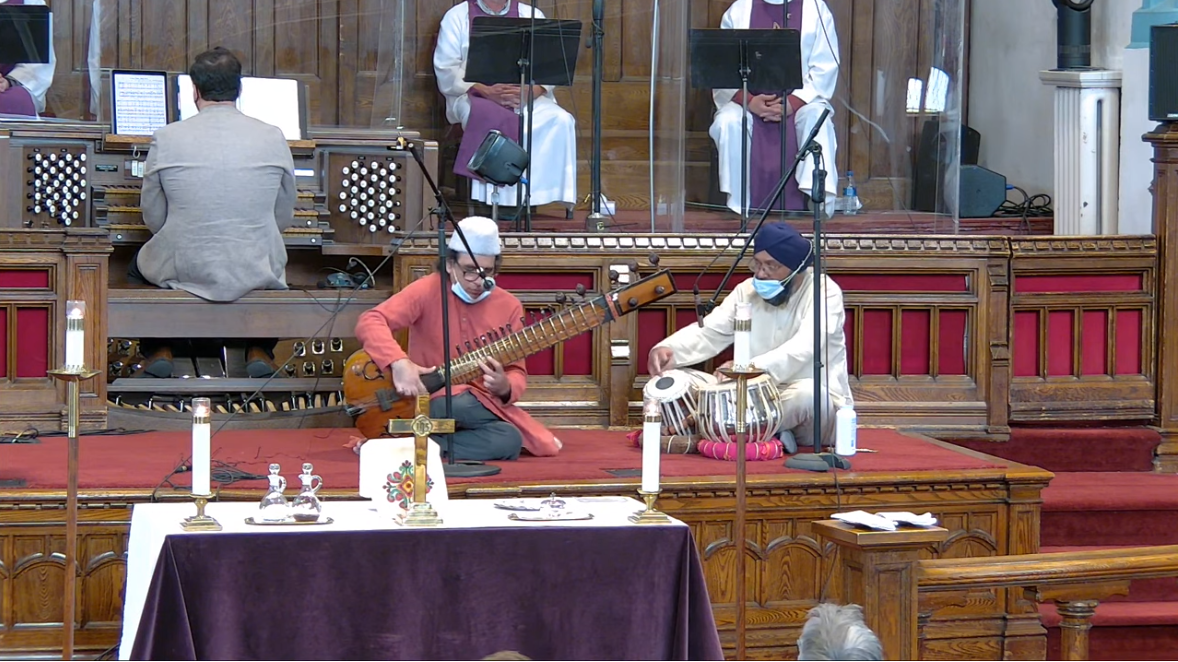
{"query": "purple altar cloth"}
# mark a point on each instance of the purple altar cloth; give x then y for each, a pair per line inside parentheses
(602, 593)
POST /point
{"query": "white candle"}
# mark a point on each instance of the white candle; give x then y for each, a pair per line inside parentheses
(201, 441)
(75, 335)
(741, 351)
(652, 425)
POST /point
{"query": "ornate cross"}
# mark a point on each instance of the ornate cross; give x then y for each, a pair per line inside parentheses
(421, 427)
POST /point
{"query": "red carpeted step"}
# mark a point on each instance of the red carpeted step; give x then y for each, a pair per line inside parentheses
(1114, 509)
(1075, 449)
(1163, 589)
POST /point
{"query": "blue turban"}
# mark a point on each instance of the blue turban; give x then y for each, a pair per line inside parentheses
(785, 245)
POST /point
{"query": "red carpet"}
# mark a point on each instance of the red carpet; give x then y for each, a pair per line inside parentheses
(142, 460)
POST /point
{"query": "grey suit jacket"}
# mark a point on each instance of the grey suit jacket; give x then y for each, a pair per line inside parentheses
(217, 192)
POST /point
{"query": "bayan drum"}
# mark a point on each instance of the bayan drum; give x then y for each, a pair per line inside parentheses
(717, 413)
(675, 392)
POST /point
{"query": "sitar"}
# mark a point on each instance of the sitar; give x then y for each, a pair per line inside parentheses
(372, 401)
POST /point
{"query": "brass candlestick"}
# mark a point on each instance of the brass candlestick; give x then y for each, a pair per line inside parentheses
(651, 515)
(200, 521)
(73, 376)
(742, 375)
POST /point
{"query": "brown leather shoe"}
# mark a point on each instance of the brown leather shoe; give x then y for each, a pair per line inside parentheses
(158, 365)
(258, 363)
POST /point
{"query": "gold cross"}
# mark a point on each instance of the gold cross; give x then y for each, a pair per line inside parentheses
(421, 427)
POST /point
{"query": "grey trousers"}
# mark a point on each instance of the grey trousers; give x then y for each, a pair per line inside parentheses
(480, 434)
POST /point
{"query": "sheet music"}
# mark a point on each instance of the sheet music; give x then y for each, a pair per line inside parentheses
(271, 100)
(140, 103)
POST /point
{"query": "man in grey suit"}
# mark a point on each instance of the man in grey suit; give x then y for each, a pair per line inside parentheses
(218, 191)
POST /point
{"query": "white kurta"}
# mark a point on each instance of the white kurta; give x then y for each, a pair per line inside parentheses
(36, 78)
(781, 344)
(819, 76)
(553, 172)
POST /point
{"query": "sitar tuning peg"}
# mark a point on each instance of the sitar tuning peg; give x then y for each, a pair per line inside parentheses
(580, 289)
(613, 276)
(633, 264)
(469, 347)
(653, 259)
(458, 349)
(561, 298)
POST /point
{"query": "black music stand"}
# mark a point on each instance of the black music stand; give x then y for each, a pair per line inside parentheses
(760, 59)
(24, 34)
(523, 51)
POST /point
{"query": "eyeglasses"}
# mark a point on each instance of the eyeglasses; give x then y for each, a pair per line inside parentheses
(472, 272)
(771, 269)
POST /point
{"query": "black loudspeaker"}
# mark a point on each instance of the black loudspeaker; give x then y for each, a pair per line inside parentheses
(933, 155)
(982, 192)
(1163, 73)
(499, 160)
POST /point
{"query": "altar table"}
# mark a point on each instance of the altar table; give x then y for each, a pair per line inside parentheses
(366, 588)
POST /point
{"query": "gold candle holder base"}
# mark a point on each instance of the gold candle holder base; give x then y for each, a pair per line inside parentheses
(650, 515)
(200, 521)
(738, 371)
(422, 515)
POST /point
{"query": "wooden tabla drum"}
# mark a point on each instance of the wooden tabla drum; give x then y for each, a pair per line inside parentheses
(675, 392)
(716, 412)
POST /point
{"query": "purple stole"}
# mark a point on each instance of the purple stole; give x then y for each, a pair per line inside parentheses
(15, 100)
(765, 158)
(485, 115)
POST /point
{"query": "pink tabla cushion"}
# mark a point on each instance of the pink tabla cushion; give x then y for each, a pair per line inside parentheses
(754, 452)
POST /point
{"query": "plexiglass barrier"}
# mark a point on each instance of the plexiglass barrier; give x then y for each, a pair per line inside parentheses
(890, 72)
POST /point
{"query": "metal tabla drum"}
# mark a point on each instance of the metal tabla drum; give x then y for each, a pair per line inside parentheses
(717, 411)
(675, 392)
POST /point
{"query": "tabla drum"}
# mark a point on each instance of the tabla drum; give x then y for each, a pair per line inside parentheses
(675, 392)
(717, 413)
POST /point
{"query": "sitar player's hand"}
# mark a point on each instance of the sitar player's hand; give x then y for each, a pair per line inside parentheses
(407, 378)
(495, 379)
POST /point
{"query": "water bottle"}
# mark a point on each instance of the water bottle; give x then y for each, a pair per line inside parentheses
(851, 204)
(846, 427)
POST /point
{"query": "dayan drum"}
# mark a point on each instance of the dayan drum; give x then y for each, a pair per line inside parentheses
(717, 411)
(675, 392)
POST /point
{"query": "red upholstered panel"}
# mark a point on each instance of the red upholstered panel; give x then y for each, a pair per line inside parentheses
(916, 338)
(1094, 351)
(1128, 343)
(903, 282)
(1025, 343)
(685, 316)
(652, 328)
(32, 342)
(543, 363)
(1103, 283)
(951, 342)
(24, 279)
(1060, 342)
(849, 330)
(578, 355)
(545, 282)
(3, 342)
(877, 342)
(710, 281)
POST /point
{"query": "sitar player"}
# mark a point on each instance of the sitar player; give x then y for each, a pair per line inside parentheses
(780, 294)
(489, 425)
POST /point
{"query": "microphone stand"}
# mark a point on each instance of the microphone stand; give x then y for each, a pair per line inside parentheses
(452, 469)
(744, 139)
(596, 220)
(523, 189)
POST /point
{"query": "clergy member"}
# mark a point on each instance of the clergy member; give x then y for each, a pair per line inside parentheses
(489, 424)
(771, 112)
(782, 341)
(23, 86)
(480, 108)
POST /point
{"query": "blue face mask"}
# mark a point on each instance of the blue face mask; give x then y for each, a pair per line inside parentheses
(768, 289)
(461, 292)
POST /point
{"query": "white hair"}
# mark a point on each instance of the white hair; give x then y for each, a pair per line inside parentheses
(834, 632)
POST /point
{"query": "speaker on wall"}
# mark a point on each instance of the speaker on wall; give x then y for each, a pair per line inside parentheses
(982, 192)
(933, 154)
(1163, 73)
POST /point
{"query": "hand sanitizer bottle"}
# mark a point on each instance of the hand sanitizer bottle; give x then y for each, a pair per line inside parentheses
(846, 427)
(851, 204)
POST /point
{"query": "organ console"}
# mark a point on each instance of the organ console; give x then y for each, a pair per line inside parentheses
(355, 196)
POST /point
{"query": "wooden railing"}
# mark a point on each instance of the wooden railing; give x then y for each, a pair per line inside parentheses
(899, 590)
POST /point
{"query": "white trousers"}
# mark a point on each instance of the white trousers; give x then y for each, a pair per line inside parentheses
(725, 131)
(553, 170)
(797, 413)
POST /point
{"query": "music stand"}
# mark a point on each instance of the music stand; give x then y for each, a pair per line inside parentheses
(523, 51)
(25, 34)
(760, 59)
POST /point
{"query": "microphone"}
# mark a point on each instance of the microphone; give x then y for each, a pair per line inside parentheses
(700, 314)
(488, 283)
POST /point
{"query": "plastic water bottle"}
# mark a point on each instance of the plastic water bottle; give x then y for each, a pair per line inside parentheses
(851, 204)
(845, 431)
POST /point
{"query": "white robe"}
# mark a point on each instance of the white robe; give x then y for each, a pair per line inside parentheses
(36, 78)
(781, 344)
(819, 77)
(553, 171)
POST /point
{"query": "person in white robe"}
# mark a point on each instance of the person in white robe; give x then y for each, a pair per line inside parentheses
(820, 68)
(782, 339)
(553, 171)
